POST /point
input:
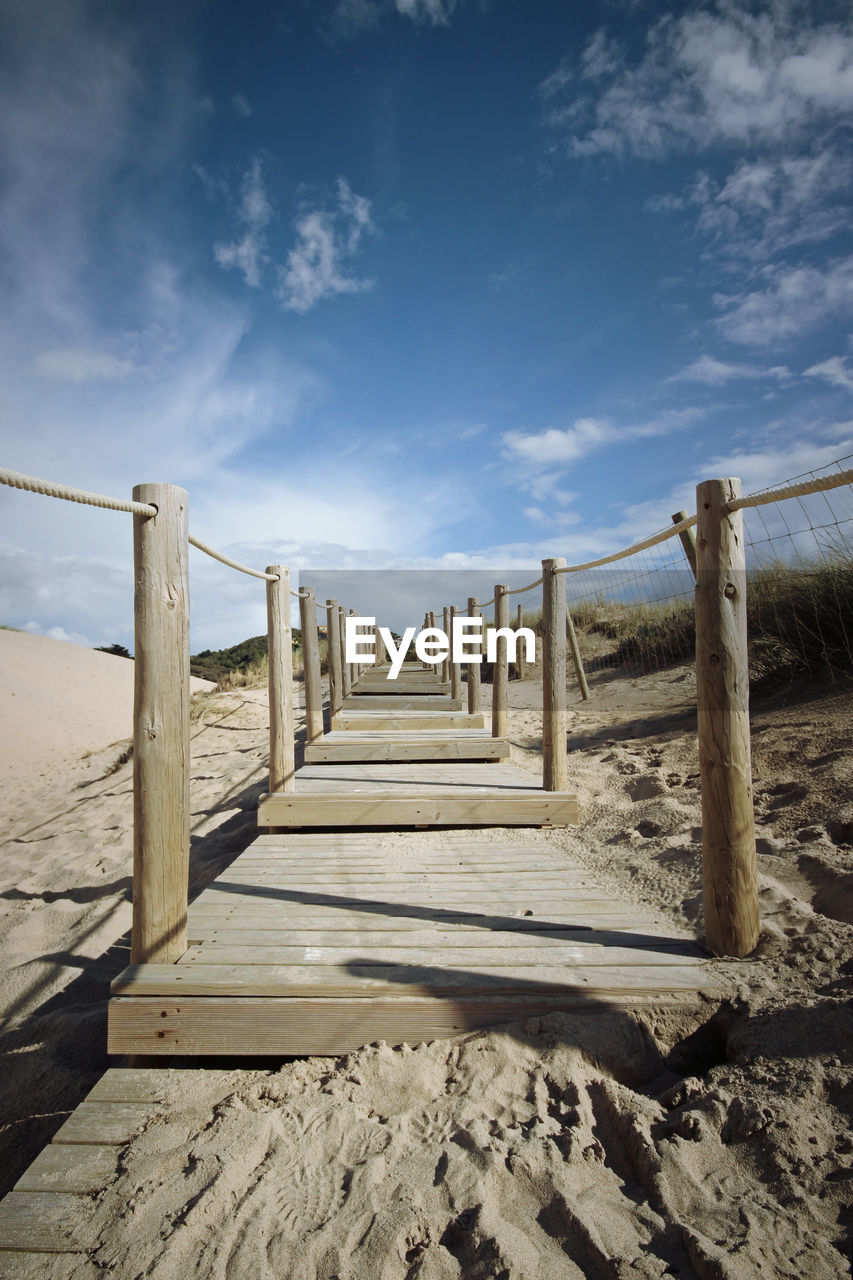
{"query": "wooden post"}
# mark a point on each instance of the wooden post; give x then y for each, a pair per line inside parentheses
(574, 649)
(688, 541)
(335, 678)
(555, 768)
(519, 651)
(455, 668)
(311, 665)
(161, 727)
(280, 648)
(474, 667)
(729, 869)
(346, 683)
(500, 671)
(354, 669)
(445, 666)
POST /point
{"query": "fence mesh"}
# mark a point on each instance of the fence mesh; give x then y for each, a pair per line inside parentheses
(638, 613)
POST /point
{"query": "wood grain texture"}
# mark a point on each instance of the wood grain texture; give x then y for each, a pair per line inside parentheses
(311, 665)
(554, 748)
(729, 869)
(280, 654)
(161, 725)
(500, 669)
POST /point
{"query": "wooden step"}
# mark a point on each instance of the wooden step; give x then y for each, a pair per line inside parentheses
(394, 701)
(406, 721)
(400, 745)
(395, 808)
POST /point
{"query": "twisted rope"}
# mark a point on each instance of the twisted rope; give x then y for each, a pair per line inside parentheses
(17, 480)
(232, 564)
(632, 550)
(792, 491)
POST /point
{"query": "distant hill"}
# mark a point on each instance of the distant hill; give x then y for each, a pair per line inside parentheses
(212, 664)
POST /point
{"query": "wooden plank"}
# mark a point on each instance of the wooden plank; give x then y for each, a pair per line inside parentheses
(43, 1222)
(79, 1169)
(403, 686)
(106, 1123)
(364, 978)
(478, 954)
(269, 1026)
(351, 927)
(408, 721)
(129, 1084)
(326, 751)
(401, 702)
(397, 810)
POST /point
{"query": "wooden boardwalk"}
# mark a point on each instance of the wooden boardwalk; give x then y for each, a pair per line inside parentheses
(322, 942)
(322, 939)
(328, 933)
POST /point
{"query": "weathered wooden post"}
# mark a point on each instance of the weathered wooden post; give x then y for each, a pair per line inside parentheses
(161, 726)
(445, 665)
(574, 649)
(555, 769)
(346, 683)
(688, 541)
(729, 869)
(311, 665)
(334, 656)
(500, 670)
(519, 652)
(280, 650)
(455, 669)
(474, 667)
(354, 668)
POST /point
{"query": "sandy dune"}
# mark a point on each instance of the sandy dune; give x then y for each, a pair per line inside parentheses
(713, 1144)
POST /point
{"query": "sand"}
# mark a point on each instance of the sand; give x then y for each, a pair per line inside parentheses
(710, 1145)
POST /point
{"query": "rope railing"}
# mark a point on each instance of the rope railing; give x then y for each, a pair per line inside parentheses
(817, 485)
(653, 541)
(232, 564)
(51, 489)
(161, 779)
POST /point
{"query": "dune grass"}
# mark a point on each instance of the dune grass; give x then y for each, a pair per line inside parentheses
(799, 622)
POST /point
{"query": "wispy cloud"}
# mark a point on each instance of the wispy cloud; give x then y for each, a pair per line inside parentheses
(769, 205)
(241, 106)
(349, 17)
(838, 371)
(326, 239)
(560, 446)
(716, 75)
(715, 373)
(793, 300)
(248, 254)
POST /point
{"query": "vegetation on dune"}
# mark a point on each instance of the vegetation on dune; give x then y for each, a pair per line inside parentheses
(799, 622)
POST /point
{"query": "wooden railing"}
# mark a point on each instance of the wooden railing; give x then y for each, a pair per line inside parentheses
(161, 723)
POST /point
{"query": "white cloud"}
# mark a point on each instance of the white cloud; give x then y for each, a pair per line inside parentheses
(838, 371)
(793, 301)
(715, 373)
(248, 254)
(555, 446)
(769, 205)
(709, 76)
(315, 268)
(75, 365)
(241, 106)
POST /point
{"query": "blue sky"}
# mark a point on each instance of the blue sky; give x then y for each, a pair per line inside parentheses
(392, 283)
